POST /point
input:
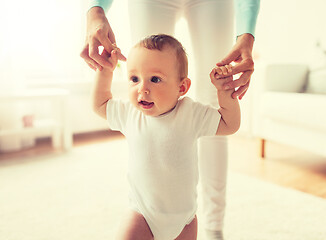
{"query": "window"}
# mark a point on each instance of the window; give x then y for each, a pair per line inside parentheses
(43, 40)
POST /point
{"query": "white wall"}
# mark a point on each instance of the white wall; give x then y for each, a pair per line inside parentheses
(287, 31)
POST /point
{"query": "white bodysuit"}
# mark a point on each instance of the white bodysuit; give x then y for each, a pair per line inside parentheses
(163, 168)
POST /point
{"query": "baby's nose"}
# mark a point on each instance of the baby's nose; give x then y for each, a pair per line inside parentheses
(143, 88)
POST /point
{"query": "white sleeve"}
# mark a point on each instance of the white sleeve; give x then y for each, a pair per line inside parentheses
(117, 112)
(205, 118)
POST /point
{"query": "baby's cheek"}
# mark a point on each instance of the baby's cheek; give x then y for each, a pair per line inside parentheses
(131, 94)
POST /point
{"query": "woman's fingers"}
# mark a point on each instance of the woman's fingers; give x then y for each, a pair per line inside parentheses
(241, 91)
(121, 57)
(91, 63)
(94, 54)
(231, 57)
(243, 80)
(94, 59)
(243, 66)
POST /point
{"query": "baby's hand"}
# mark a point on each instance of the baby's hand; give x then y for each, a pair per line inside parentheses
(219, 76)
(112, 58)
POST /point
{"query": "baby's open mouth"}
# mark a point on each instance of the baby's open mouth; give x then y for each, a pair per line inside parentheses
(145, 104)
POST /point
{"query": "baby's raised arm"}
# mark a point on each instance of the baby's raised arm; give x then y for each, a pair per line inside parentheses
(229, 107)
(101, 92)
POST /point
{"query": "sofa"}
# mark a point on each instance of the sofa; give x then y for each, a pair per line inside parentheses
(290, 107)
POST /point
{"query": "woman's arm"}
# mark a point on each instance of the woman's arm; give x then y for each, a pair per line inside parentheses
(104, 4)
(246, 12)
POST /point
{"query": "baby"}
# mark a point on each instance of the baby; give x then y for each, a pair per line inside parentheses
(162, 128)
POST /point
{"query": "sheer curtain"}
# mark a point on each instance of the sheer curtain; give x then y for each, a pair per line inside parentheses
(41, 41)
(40, 45)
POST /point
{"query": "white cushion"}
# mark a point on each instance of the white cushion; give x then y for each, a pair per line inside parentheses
(286, 77)
(317, 82)
(306, 110)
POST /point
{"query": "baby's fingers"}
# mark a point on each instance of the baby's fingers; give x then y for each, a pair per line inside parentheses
(218, 72)
(224, 70)
(229, 68)
(212, 74)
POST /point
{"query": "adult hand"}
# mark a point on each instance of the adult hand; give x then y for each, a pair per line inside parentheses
(241, 54)
(99, 33)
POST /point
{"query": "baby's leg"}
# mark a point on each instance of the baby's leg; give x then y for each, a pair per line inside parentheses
(134, 227)
(189, 232)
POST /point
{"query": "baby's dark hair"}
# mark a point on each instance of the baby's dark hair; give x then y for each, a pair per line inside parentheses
(160, 41)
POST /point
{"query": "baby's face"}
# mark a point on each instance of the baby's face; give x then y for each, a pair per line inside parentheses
(154, 81)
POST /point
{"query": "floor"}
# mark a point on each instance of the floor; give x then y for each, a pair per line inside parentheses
(283, 165)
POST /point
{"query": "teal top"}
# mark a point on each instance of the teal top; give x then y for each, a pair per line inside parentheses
(246, 12)
(105, 4)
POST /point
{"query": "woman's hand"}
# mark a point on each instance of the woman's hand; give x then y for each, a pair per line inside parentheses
(99, 33)
(241, 54)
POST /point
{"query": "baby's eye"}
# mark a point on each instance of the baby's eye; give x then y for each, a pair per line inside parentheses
(134, 79)
(156, 79)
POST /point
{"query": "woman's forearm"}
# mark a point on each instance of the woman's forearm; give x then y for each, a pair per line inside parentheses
(105, 4)
(246, 12)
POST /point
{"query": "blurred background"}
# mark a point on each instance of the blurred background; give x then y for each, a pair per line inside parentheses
(59, 174)
(45, 85)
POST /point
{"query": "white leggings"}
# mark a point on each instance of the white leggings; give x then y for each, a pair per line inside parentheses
(210, 23)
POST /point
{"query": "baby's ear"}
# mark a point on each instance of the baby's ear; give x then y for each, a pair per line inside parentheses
(184, 86)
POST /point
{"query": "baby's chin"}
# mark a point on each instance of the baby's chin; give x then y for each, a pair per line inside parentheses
(154, 112)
